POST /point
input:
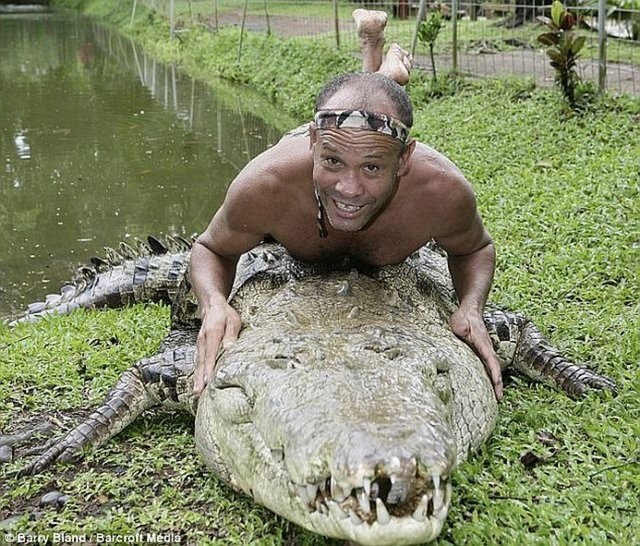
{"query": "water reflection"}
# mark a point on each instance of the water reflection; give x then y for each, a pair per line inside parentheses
(101, 142)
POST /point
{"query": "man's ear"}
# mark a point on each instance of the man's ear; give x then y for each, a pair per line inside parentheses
(404, 163)
(313, 135)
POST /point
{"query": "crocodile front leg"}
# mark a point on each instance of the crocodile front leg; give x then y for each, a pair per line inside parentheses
(519, 343)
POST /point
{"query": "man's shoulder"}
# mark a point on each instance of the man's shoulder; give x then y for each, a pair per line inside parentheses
(431, 169)
(288, 158)
(273, 174)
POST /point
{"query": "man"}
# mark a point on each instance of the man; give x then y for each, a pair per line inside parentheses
(356, 186)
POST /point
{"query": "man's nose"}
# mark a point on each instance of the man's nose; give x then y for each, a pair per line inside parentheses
(349, 185)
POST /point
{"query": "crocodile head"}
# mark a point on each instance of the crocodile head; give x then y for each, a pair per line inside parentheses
(333, 409)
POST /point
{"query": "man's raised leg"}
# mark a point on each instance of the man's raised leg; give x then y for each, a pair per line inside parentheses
(370, 25)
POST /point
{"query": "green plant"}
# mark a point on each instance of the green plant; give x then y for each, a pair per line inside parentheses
(563, 48)
(428, 34)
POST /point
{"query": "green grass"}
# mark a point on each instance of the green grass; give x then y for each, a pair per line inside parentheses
(560, 196)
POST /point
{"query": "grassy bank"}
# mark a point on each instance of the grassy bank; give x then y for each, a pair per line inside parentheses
(561, 200)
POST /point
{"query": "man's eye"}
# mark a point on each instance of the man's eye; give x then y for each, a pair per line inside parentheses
(371, 168)
(331, 161)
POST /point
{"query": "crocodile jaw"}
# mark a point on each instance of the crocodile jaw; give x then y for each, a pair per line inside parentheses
(395, 530)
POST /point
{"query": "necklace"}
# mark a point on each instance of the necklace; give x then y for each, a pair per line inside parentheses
(322, 228)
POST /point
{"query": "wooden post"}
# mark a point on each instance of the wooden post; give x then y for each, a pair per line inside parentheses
(454, 35)
(244, 18)
(172, 18)
(335, 22)
(133, 12)
(403, 9)
(266, 14)
(602, 46)
(215, 12)
(421, 13)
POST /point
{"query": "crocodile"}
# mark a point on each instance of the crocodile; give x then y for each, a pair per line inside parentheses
(346, 403)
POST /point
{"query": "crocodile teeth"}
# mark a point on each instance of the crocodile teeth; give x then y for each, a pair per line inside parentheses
(366, 485)
(337, 492)
(421, 511)
(381, 511)
(355, 520)
(394, 463)
(336, 511)
(363, 501)
(438, 500)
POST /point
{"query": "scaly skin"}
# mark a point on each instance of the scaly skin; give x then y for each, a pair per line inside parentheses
(346, 403)
(149, 273)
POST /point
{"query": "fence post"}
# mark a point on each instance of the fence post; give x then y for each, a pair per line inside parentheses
(454, 35)
(242, 24)
(421, 13)
(172, 17)
(337, 25)
(266, 14)
(602, 45)
(133, 12)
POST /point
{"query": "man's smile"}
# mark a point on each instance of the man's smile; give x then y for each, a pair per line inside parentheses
(346, 207)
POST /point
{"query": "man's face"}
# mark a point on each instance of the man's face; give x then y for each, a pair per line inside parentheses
(355, 173)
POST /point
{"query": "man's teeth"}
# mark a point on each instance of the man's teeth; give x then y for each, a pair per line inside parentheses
(347, 208)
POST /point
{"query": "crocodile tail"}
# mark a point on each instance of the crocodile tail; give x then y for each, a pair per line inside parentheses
(137, 273)
(124, 403)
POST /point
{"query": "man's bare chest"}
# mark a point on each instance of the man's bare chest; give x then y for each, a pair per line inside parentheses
(374, 249)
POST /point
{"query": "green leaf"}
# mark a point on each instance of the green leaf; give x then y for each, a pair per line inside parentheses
(578, 44)
(555, 55)
(549, 38)
(557, 9)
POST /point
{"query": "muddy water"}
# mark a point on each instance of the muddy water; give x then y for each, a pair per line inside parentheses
(100, 143)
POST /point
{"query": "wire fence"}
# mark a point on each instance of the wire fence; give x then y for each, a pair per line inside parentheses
(477, 38)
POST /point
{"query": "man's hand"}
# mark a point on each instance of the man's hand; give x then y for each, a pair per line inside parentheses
(469, 326)
(220, 328)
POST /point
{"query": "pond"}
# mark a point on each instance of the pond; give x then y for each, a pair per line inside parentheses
(101, 143)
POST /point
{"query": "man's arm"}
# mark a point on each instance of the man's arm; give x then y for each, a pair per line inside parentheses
(471, 259)
(233, 230)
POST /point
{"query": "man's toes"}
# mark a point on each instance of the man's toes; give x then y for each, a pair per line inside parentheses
(369, 22)
(396, 65)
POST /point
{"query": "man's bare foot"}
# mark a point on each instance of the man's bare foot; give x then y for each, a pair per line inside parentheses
(397, 64)
(370, 26)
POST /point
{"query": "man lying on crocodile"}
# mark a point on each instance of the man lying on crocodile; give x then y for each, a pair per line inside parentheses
(354, 185)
